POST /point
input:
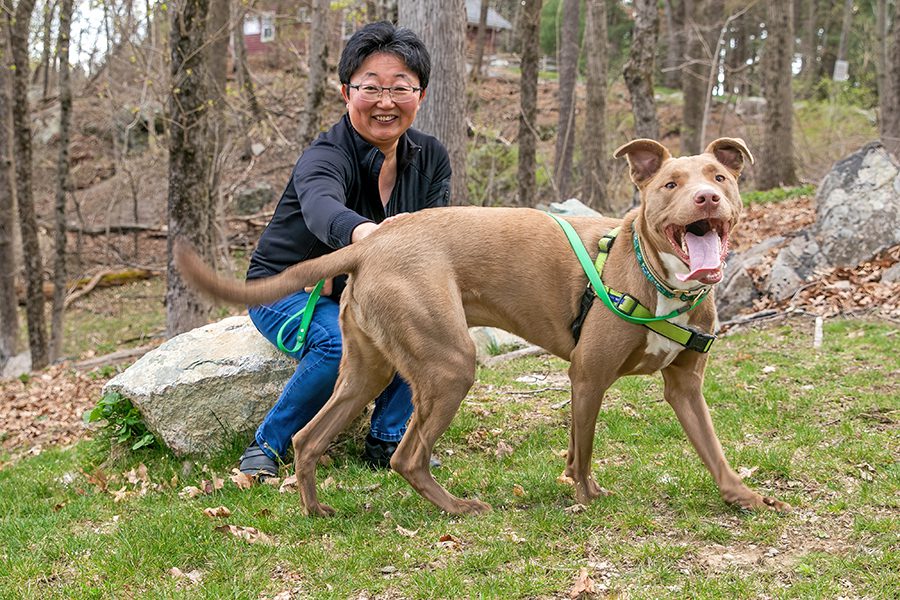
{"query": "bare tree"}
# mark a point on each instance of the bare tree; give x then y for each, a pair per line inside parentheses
(808, 43)
(318, 71)
(191, 207)
(890, 103)
(700, 40)
(442, 26)
(593, 147)
(846, 24)
(777, 157)
(9, 316)
(31, 248)
(639, 69)
(531, 25)
(218, 27)
(62, 180)
(568, 74)
(674, 42)
(44, 66)
(480, 39)
(244, 79)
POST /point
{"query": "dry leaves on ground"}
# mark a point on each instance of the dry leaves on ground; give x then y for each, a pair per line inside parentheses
(251, 535)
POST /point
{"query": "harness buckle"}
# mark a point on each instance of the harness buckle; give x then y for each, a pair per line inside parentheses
(627, 304)
(700, 342)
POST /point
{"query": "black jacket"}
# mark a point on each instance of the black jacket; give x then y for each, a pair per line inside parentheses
(334, 188)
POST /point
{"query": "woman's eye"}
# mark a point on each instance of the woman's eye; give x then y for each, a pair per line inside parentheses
(720, 178)
(671, 185)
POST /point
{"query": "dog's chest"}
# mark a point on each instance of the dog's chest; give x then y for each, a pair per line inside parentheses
(660, 350)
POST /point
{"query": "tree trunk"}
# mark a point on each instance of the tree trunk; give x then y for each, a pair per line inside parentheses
(442, 27)
(318, 67)
(62, 180)
(845, 37)
(568, 75)
(593, 147)
(9, 316)
(700, 35)
(675, 42)
(480, 40)
(44, 67)
(190, 203)
(777, 157)
(31, 248)
(218, 28)
(639, 69)
(244, 79)
(808, 45)
(530, 27)
(890, 129)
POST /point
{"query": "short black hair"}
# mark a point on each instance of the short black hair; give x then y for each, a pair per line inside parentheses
(385, 37)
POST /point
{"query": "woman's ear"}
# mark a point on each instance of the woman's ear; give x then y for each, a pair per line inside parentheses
(345, 94)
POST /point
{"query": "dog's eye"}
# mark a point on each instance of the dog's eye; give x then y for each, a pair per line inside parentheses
(671, 185)
(720, 178)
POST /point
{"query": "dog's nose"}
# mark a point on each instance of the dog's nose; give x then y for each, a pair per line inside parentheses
(706, 197)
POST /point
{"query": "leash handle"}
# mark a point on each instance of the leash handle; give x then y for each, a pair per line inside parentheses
(307, 313)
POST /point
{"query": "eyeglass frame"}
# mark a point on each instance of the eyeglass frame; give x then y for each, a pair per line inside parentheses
(381, 88)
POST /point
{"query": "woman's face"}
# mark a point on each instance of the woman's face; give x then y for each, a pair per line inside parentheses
(382, 122)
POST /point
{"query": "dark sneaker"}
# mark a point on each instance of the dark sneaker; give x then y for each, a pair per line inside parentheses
(378, 454)
(255, 462)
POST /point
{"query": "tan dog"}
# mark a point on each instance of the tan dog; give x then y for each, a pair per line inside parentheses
(416, 286)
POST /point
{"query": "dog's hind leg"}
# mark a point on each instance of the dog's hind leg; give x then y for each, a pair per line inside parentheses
(683, 391)
(364, 373)
(439, 387)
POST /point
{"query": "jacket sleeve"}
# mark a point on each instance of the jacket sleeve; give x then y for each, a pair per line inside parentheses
(438, 193)
(322, 181)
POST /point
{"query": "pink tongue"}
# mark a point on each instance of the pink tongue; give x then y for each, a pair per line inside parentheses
(704, 255)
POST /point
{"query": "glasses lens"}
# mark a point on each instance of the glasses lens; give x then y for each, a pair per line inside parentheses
(370, 93)
(402, 94)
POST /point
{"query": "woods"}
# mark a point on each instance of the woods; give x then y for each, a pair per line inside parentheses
(152, 121)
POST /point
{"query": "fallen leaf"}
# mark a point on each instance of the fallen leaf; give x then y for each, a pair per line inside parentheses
(746, 473)
(583, 587)
(289, 484)
(120, 494)
(190, 492)
(449, 542)
(769, 369)
(251, 535)
(388, 569)
(575, 509)
(219, 511)
(194, 576)
(565, 479)
(518, 490)
(503, 449)
(407, 532)
(242, 480)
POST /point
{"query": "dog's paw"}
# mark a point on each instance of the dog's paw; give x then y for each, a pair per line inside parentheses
(319, 510)
(470, 507)
(776, 505)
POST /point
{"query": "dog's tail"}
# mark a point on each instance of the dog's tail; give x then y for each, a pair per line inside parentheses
(261, 291)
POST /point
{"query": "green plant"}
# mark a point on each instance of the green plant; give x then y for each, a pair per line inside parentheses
(778, 194)
(123, 420)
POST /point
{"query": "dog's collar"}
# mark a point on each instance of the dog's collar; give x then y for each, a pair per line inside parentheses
(659, 283)
(626, 306)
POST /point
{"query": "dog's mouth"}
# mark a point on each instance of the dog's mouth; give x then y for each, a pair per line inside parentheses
(702, 246)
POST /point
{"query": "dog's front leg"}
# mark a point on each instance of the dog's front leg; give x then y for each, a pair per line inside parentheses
(683, 391)
(587, 396)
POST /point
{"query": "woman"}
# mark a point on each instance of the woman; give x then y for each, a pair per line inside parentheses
(368, 168)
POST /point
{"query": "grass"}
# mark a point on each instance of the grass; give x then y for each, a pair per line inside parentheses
(817, 429)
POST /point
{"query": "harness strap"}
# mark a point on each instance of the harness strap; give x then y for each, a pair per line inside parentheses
(625, 306)
(307, 313)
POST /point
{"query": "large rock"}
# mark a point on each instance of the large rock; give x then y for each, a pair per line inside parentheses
(858, 207)
(203, 387)
(857, 216)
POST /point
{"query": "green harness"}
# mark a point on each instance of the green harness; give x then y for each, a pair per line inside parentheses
(626, 306)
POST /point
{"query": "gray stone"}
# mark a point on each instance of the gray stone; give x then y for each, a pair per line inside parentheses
(737, 290)
(858, 207)
(16, 365)
(203, 387)
(573, 207)
(253, 198)
(488, 340)
(795, 263)
(891, 274)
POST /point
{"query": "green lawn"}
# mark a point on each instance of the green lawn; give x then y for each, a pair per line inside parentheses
(815, 428)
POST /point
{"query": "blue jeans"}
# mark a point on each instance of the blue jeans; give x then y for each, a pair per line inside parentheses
(312, 383)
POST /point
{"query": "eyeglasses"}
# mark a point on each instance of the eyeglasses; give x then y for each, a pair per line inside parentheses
(398, 93)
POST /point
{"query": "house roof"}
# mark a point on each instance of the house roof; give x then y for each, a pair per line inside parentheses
(494, 20)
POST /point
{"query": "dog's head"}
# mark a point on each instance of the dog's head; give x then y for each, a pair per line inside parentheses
(689, 205)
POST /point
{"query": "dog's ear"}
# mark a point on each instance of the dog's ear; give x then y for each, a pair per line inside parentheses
(731, 152)
(645, 157)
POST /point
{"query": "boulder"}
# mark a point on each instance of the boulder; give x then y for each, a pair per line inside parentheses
(253, 198)
(573, 207)
(858, 207)
(201, 388)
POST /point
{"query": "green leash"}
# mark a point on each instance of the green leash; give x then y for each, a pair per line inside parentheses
(627, 307)
(307, 313)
